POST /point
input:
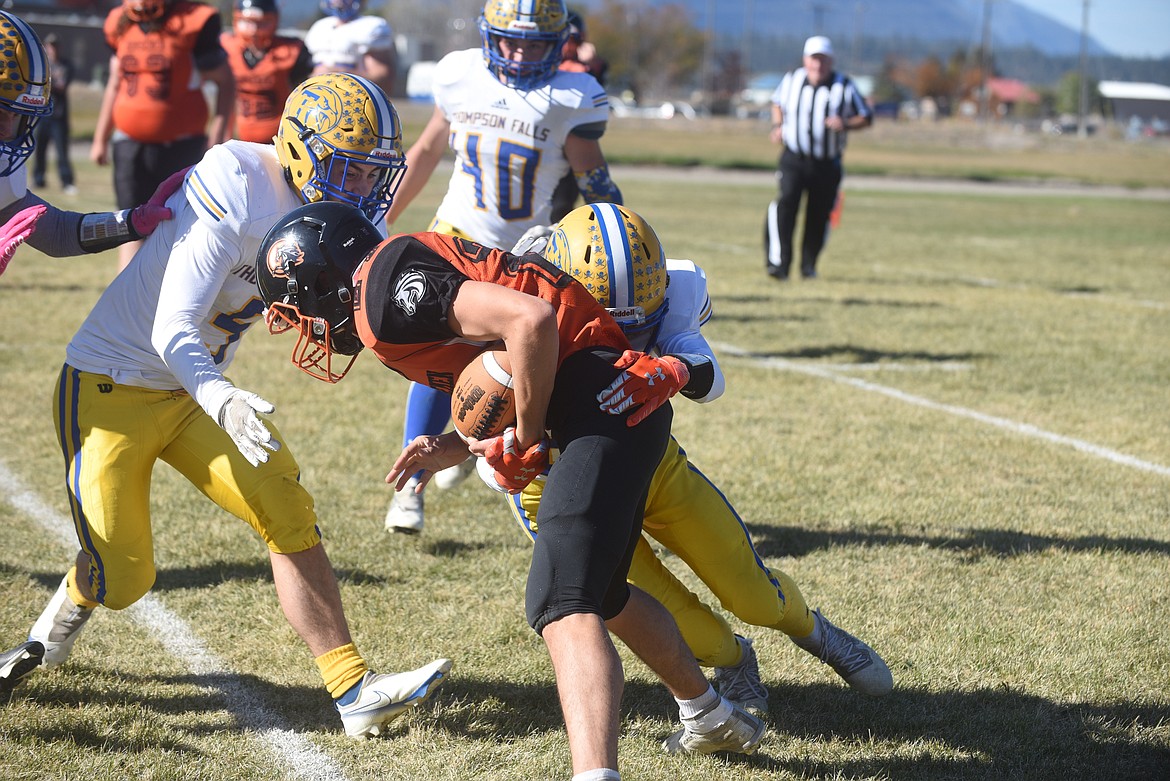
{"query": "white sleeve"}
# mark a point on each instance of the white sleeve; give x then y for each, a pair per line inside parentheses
(198, 266)
(688, 309)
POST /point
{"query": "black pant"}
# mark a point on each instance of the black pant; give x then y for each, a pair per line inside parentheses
(590, 515)
(140, 168)
(799, 174)
(52, 130)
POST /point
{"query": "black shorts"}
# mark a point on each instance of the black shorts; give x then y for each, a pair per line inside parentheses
(590, 514)
(140, 168)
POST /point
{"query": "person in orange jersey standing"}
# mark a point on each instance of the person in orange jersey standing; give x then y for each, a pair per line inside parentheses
(154, 117)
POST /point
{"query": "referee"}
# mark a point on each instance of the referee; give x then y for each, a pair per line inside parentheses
(812, 110)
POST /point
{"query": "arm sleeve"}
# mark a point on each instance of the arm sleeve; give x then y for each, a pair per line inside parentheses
(57, 233)
(193, 278)
(689, 310)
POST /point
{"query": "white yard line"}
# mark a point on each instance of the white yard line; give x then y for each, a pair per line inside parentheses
(298, 755)
(1025, 429)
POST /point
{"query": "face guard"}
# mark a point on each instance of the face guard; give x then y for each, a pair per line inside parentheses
(317, 341)
(528, 20)
(616, 255)
(25, 90)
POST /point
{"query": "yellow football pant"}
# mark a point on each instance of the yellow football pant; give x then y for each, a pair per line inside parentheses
(111, 436)
(689, 516)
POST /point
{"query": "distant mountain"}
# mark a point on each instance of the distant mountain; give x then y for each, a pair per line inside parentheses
(933, 21)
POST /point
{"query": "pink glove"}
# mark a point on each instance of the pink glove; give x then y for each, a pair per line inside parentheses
(145, 218)
(514, 470)
(646, 382)
(14, 232)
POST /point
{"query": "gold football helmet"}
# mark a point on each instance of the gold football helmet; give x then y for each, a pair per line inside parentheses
(332, 122)
(533, 20)
(616, 255)
(24, 90)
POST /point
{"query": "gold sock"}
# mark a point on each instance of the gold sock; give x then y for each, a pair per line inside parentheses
(74, 592)
(341, 668)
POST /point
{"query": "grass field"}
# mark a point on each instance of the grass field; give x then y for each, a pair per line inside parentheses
(956, 441)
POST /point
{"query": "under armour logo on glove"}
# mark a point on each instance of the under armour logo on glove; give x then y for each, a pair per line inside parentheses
(646, 383)
(515, 469)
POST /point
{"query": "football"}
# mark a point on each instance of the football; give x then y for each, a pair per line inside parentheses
(483, 403)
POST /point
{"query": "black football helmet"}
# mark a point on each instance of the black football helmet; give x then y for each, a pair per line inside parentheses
(305, 274)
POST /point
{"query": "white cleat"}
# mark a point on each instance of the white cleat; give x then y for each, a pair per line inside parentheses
(739, 733)
(383, 698)
(17, 664)
(741, 685)
(853, 660)
(406, 510)
(58, 626)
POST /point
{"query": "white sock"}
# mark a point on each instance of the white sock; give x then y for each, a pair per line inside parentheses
(600, 774)
(706, 711)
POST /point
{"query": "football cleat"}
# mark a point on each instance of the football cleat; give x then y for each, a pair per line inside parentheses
(739, 733)
(58, 626)
(383, 698)
(454, 475)
(16, 664)
(740, 685)
(853, 660)
(406, 510)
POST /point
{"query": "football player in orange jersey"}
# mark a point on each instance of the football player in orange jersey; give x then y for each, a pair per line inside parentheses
(426, 304)
(25, 100)
(267, 66)
(153, 110)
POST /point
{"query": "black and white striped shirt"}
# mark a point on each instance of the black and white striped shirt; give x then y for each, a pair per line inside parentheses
(806, 107)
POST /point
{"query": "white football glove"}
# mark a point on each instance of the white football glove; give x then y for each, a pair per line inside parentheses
(238, 418)
(535, 239)
(488, 475)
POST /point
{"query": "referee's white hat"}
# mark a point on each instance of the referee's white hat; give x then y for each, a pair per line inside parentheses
(818, 44)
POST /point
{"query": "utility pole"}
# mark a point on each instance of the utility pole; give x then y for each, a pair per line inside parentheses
(985, 64)
(1083, 105)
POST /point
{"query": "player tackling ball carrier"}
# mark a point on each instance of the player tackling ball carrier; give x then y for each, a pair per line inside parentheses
(143, 381)
(426, 304)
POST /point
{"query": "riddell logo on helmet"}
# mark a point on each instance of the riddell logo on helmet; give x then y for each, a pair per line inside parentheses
(32, 100)
(524, 27)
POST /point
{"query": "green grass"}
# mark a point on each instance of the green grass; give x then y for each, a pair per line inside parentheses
(1016, 586)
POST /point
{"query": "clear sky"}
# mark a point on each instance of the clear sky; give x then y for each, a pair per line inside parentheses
(1130, 28)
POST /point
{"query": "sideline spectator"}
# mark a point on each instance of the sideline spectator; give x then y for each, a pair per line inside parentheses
(54, 129)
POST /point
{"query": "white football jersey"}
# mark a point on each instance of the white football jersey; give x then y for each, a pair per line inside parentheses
(13, 187)
(341, 44)
(509, 144)
(174, 317)
(688, 309)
